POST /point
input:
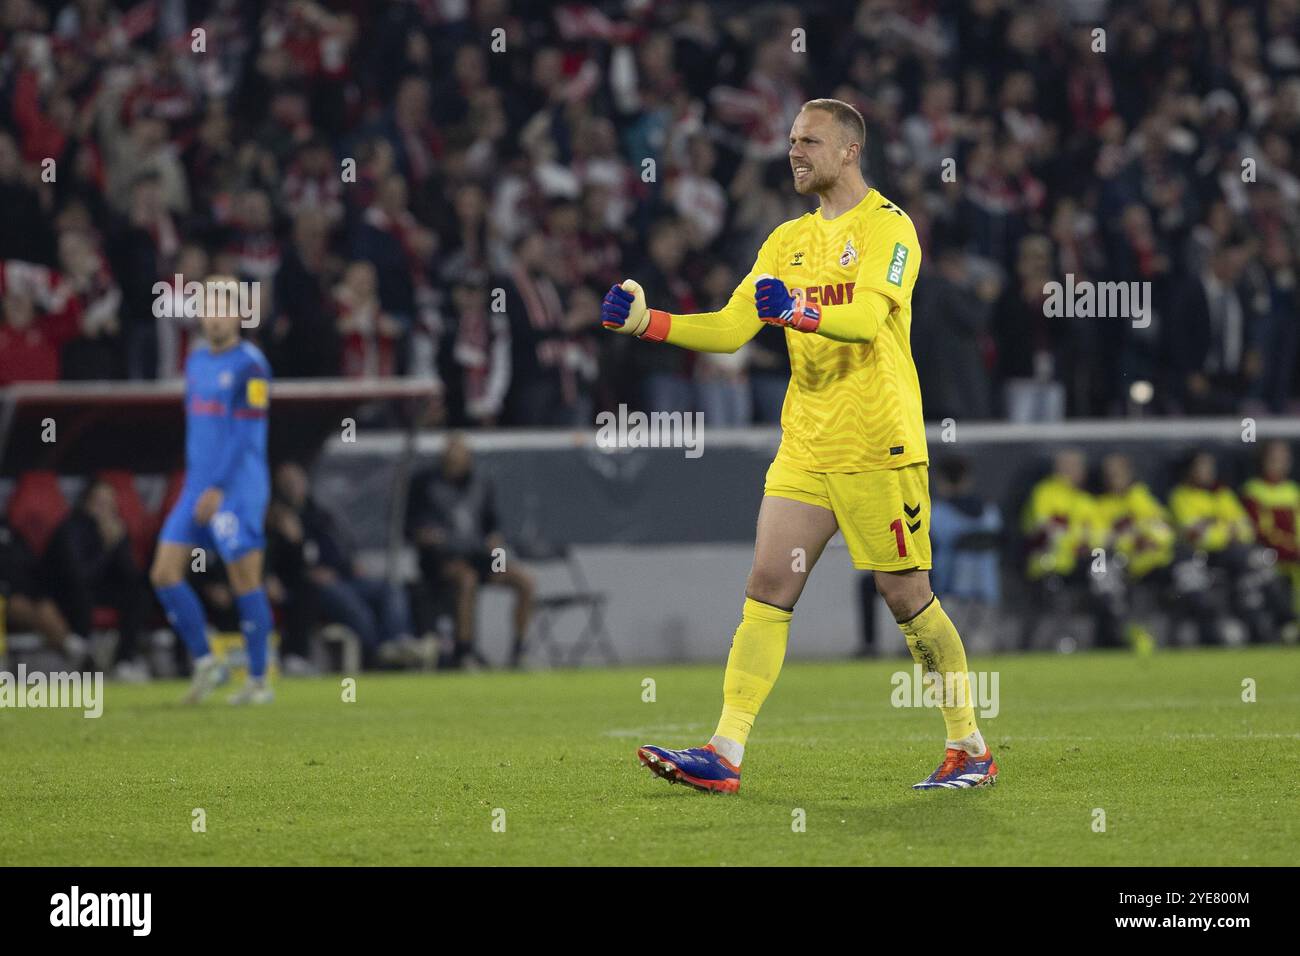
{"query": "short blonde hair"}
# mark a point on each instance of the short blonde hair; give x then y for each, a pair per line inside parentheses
(847, 116)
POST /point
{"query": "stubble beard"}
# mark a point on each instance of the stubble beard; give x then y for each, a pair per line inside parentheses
(816, 185)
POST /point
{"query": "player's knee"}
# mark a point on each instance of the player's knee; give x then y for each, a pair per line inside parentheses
(245, 576)
(904, 595)
(902, 607)
(165, 575)
(771, 587)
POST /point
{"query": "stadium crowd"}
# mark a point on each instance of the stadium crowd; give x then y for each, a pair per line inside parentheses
(384, 169)
(446, 188)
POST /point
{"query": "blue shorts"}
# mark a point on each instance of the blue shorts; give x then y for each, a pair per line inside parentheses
(234, 531)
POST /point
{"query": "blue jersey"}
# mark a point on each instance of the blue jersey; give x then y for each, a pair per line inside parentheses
(227, 396)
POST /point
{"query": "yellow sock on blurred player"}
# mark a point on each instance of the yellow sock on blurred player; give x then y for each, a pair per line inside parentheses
(757, 652)
(936, 646)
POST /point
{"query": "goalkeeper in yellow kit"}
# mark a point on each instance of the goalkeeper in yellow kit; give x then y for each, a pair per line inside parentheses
(853, 454)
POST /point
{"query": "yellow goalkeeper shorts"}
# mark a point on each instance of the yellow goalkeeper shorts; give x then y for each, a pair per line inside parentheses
(883, 515)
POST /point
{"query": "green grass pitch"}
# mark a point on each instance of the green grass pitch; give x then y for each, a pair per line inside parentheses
(417, 770)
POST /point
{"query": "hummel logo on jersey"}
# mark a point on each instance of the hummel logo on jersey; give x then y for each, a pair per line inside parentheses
(912, 512)
(849, 255)
(897, 264)
(892, 208)
(796, 259)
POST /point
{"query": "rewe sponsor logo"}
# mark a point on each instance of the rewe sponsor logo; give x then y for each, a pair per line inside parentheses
(1098, 300)
(838, 293)
(654, 430)
(951, 689)
(179, 299)
(133, 910)
(72, 690)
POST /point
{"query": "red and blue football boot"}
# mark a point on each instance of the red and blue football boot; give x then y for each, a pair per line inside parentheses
(960, 770)
(700, 767)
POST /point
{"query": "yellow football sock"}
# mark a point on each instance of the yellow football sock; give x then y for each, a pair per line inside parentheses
(936, 646)
(757, 652)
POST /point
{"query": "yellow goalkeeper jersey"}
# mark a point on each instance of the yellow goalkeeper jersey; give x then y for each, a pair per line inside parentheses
(851, 406)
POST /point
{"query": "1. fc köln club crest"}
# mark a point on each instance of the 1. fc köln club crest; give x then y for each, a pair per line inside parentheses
(849, 255)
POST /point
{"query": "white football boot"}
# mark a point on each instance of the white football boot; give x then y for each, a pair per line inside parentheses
(209, 674)
(253, 692)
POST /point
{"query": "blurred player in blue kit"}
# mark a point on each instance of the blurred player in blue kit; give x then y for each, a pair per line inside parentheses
(223, 501)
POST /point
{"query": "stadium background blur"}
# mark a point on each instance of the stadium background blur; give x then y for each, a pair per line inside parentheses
(598, 141)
